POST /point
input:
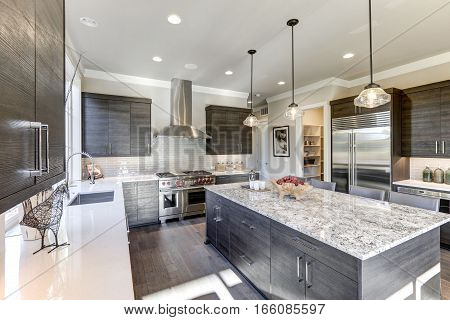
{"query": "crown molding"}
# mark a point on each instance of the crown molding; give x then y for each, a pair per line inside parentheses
(101, 75)
(390, 73)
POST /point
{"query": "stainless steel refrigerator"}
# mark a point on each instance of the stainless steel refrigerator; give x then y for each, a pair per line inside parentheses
(361, 151)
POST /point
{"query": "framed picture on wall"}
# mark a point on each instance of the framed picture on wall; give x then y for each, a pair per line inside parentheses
(281, 141)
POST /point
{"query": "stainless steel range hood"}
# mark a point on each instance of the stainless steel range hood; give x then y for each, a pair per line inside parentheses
(181, 112)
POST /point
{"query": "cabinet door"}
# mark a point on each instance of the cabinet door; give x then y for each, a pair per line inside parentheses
(445, 121)
(119, 128)
(147, 202)
(421, 123)
(17, 96)
(246, 136)
(95, 126)
(286, 270)
(218, 130)
(223, 231)
(50, 95)
(344, 110)
(324, 283)
(140, 130)
(233, 135)
(130, 195)
(211, 217)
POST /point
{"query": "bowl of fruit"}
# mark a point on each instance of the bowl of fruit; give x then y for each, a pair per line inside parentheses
(290, 186)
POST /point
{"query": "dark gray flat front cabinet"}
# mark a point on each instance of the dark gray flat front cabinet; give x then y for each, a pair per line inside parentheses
(141, 202)
(286, 270)
(140, 130)
(227, 131)
(17, 96)
(148, 202)
(116, 126)
(96, 127)
(223, 230)
(233, 178)
(421, 123)
(211, 217)
(119, 128)
(50, 107)
(324, 283)
(445, 121)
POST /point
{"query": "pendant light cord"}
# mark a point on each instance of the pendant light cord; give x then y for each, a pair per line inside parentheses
(292, 53)
(370, 39)
(251, 84)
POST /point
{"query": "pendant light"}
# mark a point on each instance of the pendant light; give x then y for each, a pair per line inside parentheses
(372, 96)
(251, 119)
(293, 110)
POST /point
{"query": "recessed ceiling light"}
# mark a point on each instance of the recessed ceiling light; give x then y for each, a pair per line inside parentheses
(174, 19)
(258, 95)
(280, 83)
(191, 66)
(228, 72)
(157, 59)
(348, 55)
(89, 22)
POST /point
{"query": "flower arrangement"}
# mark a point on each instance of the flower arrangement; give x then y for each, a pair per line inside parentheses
(290, 186)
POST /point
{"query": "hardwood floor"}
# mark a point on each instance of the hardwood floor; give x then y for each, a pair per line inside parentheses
(171, 261)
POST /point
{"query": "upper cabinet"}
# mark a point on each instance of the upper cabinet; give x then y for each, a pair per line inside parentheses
(31, 98)
(425, 121)
(115, 126)
(228, 133)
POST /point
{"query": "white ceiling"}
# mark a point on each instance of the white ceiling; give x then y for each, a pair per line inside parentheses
(216, 35)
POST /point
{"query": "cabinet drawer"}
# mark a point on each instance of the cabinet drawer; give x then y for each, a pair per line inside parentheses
(336, 259)
(255, 267)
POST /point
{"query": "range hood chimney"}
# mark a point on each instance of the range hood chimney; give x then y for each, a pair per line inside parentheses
(181, 112)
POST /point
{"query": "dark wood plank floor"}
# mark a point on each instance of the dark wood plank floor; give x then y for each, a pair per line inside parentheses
(171, 261)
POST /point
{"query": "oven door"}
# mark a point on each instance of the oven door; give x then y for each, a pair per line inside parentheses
(170, 203)
(194, 200)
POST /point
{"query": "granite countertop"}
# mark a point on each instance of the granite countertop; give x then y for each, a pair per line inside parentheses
(96, 265)
(358, 226)
(424, 185)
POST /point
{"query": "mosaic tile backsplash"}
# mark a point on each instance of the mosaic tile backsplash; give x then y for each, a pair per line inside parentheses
(168, 154)
(418, 164)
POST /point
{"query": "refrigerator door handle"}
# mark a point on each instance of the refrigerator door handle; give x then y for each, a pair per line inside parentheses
(349, 160)
(354, 177)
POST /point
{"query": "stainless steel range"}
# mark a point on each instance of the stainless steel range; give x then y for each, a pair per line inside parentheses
(182, 194)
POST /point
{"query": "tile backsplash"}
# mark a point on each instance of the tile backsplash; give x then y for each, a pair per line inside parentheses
(168, 154)
(418, 164)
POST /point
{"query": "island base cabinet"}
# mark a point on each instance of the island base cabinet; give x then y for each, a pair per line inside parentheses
(141, 202)
(217, 230)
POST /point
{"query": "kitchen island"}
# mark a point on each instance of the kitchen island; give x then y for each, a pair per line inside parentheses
(327, 245)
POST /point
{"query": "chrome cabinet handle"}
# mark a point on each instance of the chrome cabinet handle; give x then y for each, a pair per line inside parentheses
(443, 147)
(247, 225)
(299, 274)
(307, 280)
(39, 127)
(148, 148)
(44, 127)
(437, 147)
(246, 259)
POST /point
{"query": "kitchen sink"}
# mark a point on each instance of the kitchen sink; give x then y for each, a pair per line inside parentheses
(91, 198)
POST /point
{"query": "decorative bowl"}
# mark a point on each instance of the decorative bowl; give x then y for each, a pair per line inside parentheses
(290, 186)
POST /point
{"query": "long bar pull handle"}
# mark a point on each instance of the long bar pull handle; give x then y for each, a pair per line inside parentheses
(350, 159)
(443, 147)
(37, 172)
(148, 148)
(437, 147)
(299, 273)
(46, 169)
(246, 259)
(308, 279)
(247, 225)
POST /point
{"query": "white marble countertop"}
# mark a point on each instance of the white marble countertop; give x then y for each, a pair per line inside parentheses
(424, 185)
(358, 226)
(96, 265)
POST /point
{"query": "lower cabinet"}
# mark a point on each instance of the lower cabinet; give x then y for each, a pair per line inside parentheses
(280, 262)
(141, 202)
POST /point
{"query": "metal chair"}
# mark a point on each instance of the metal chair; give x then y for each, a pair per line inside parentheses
(323, 185)
(47, 216)
(414, 201)
(368, 193)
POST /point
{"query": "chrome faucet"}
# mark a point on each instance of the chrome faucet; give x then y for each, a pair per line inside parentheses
(83, 154)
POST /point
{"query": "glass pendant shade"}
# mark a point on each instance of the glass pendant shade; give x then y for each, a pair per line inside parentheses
(372, 96)
(251, 120)
(293, 111)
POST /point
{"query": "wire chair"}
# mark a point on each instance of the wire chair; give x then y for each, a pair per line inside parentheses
(47, 216)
